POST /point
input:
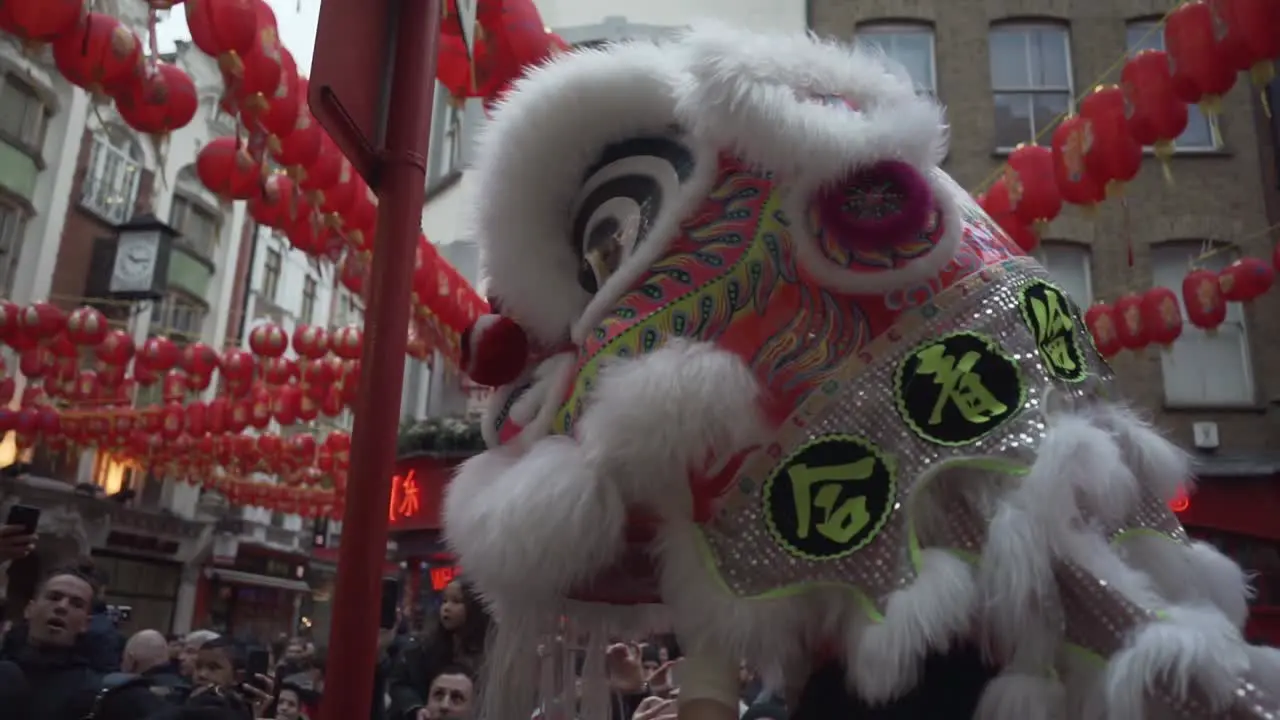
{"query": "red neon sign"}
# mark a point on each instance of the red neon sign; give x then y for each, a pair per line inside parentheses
(442, 576)
(406, 497)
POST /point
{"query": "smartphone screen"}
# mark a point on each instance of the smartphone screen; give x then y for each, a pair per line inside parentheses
(258, 663)
(25, 516)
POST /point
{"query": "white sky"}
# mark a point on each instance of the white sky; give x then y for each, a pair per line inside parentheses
(296, 19)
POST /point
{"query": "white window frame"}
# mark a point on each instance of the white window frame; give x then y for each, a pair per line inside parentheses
(898, 29)
(1170, 262)
(1083, 258)
(1069, 90)
(13, 222)
(310, 293)
(1155, 41)
(184, 206)
(272, 271)
(35, 122)
(112, 179)
(174, 307)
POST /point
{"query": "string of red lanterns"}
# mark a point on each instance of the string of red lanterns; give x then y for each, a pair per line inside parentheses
(82, 376)
(1096, 151)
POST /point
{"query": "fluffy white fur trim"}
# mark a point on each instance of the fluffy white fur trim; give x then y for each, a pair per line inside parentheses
(1191, 646)
(653, 419)
(543, 136)
(752, 93)
(532, 525)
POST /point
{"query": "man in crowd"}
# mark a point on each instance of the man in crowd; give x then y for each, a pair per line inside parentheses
(449, 695)
(55, 680)
(147, 654)
(190, 649)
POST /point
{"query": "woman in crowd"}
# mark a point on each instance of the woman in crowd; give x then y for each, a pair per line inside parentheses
(457, 639)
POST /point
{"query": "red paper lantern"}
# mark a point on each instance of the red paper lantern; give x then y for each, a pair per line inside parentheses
(1076, 185)
(323, 172)
(279, 370)
(346, 342)
(116, 348)
(1251, 39)
(284, 406)
(161, 100)
(301, 147)
(100, 55)
(42, 321)
(35, 362)
(285, 104)
(1161, 316)
(276, 204)
(86, 326)
(1246, 280)
(263, 68)
(341, 195)
(172, 421)
(226, 168)
(237, 365)
(306, 232)
(199, 359)
(87, 387)
(40, 21)
(1201, 71)
(352, 272)
(174, 388)
(1111, 154)
(310, 341)
(1030, 170)
(1130, 329)
(1155, 115)
(361, 220)
(1202, 296)
(224, 29)
(158, 354)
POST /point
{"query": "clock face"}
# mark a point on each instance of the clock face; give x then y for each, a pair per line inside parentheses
(135, 266)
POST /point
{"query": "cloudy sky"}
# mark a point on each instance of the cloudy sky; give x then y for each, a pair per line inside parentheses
(296, 18)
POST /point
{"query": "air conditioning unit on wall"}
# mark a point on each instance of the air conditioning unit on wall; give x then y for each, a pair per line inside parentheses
(1205, 435)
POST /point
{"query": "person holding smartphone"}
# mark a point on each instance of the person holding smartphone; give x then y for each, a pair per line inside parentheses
(18, 533)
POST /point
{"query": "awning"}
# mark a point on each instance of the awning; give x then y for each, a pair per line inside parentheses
(238, 577)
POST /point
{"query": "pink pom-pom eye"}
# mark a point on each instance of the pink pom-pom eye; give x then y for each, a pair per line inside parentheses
(876, 207)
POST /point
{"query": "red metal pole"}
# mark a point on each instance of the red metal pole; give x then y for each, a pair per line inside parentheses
(348, 687)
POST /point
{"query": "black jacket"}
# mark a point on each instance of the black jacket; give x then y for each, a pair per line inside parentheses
(104, 644)
(166, 683)
(60, 684)
(101, 646)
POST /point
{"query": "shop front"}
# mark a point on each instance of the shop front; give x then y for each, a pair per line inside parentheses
(255, 594)
(1240, 515)
(417, 496)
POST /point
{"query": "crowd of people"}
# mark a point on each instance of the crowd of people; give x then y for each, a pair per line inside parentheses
(63, 658)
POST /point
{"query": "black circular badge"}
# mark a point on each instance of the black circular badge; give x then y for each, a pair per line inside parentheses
(830, 497)
(1051, 317)
(955, 389)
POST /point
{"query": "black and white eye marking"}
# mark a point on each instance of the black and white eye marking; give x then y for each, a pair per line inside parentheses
(619, 199)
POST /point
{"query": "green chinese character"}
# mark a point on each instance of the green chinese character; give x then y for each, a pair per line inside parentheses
(841, 521)
(959, 385)
(1054, 328)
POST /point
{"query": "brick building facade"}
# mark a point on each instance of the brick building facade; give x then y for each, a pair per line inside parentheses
(1005, 78)
(1007, 70)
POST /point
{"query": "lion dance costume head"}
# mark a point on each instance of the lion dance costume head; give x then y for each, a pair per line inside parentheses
(788, 390)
